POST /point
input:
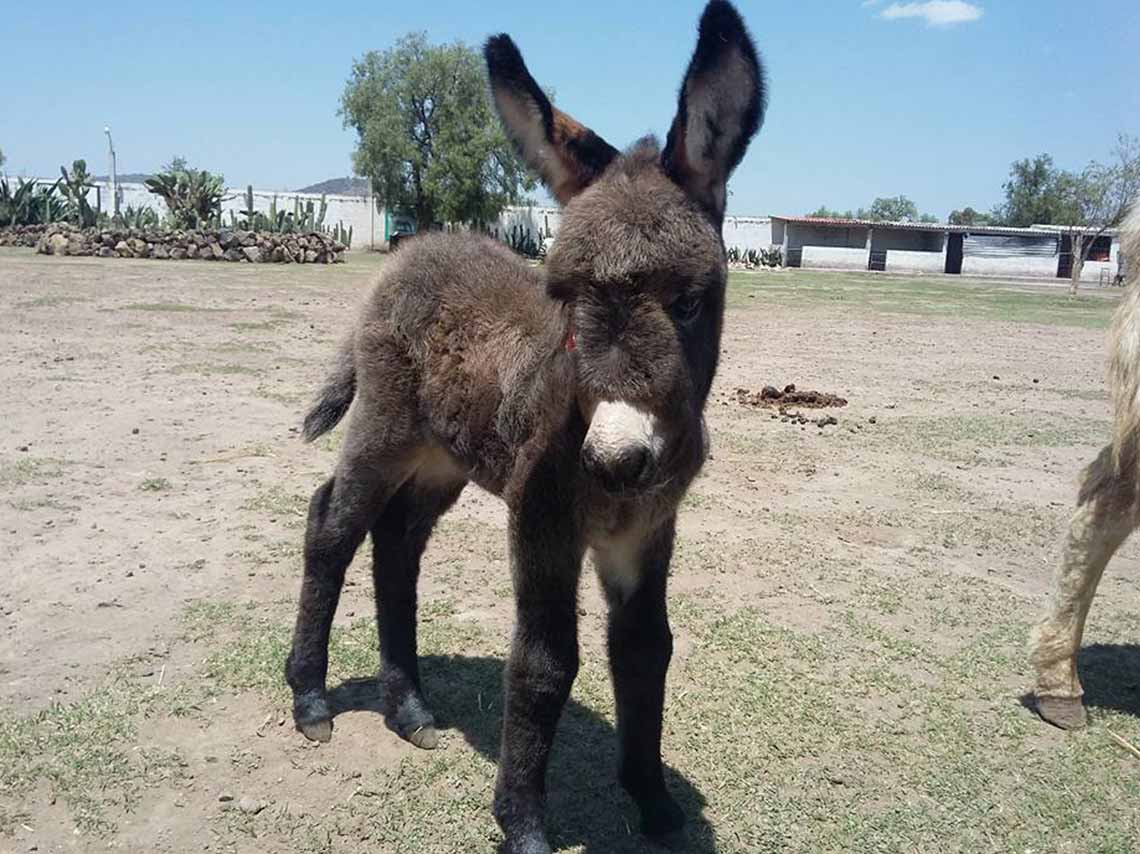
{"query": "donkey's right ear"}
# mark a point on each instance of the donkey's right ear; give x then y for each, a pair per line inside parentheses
(567, 155)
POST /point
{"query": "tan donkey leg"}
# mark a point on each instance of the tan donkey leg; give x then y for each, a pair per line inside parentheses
(1103, 521)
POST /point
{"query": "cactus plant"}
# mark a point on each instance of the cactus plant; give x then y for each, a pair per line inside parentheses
(74, 186)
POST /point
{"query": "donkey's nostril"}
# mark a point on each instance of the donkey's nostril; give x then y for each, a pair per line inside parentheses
(631, 465)
(620, 470)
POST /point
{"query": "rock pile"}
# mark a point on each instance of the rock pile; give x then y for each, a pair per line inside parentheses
(203, 244)
(21, 235)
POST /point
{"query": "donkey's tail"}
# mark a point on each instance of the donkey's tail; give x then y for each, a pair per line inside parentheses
(336, 395)
(1124, 356)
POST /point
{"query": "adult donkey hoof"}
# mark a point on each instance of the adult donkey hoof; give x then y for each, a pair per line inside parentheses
(313, 716)
(1063, 712)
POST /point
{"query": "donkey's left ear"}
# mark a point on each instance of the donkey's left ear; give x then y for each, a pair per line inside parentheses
(567, 155)
(719, 110)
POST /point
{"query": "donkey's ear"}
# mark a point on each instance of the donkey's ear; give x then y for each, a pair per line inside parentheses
(720, 108)
(567, 155)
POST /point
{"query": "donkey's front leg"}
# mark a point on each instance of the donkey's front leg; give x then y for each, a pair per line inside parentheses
(634, 575)
(540, 672)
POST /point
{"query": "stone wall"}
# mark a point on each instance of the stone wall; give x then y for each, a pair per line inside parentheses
(204, 244)
(21, 235)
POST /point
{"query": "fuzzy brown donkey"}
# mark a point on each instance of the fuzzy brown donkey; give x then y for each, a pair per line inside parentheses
(1108, 511)
(576, 394)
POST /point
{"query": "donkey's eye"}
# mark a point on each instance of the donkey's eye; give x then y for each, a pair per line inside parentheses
(686, 309)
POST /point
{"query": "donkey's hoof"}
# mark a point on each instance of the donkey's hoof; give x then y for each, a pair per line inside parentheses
(320, 731)
(426, 737)
(313, 715)
(1063, 712)
(663, 821)
(413, 722)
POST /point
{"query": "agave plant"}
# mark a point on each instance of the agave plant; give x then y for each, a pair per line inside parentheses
(193, 196)
(141, 218)
(30, 203)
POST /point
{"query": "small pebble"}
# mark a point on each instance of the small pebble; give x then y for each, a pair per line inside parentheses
(135, 431)
(225, 797)
(250, 806)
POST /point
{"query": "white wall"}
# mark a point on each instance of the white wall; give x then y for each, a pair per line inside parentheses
(355, 211)
(834, 258)
(1013, 265)
(747, 232)
(901, 261)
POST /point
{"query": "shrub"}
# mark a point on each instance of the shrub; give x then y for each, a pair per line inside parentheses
(193, 196)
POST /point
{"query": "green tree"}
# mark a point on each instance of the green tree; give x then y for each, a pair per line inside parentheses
(427, 135)
(969, 216)
(893, 209)
(1035, 194)
(1098, 199)
(824, 212)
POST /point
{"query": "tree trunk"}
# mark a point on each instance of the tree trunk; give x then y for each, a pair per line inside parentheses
(1076, 246)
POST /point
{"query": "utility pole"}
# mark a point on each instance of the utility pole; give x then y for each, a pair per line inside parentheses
(114, 178)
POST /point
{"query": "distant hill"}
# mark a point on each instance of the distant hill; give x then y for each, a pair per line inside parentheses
(333, 186)
(125, 177)
(339, 187)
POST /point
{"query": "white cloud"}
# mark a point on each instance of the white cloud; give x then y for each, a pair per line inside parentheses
(936, 13)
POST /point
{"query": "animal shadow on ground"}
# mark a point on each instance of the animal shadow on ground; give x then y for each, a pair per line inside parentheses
(585, 804)
(1110, 675)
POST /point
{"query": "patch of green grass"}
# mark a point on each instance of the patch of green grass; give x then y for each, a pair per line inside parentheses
(28, 505)
(87, 753)
(956, 437)
(291, 399)
(48, 301)
(166, 307)
(156, 484)
(280, 503)
(27, 469)
(214, 369)
(257, 325)
(921, 296)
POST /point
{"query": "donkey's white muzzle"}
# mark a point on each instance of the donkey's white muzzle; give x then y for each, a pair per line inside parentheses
(621, 446)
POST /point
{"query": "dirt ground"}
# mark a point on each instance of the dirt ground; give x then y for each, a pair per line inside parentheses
(850, 601)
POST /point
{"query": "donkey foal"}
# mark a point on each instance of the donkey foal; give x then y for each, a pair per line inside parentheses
(575, 394)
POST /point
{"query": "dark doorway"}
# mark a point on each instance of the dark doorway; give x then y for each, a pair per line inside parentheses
(954, 253)
(1065, 259)
(877, 260)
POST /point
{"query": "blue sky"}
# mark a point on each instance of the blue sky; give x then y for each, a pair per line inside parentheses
(930, 99)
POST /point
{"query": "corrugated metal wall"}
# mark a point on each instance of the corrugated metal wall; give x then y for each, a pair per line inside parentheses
(1010, 246)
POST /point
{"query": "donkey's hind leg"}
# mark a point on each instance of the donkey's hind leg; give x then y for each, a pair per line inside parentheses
(340, 514)
(399, 537)
(1104, 518)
